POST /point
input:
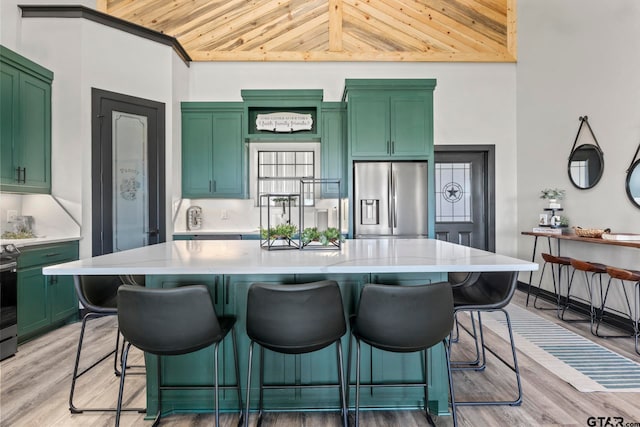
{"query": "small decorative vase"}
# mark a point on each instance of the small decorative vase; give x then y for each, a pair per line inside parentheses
(553, 204)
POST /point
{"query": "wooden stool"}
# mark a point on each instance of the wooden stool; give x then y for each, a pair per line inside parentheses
(586, 267)
(562, 263)
(634, 315)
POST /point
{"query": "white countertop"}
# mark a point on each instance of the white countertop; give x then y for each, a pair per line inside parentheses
(22, 243)
(217, 231)
(246, 257)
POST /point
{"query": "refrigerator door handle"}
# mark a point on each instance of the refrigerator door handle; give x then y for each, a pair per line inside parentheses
(393, 200)
(390, 198)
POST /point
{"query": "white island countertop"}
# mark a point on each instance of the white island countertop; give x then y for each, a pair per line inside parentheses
(246, 257)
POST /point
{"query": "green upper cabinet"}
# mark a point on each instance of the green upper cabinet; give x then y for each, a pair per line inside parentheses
(25, 124)
(390, 118)
(333, 148)
(212, 150)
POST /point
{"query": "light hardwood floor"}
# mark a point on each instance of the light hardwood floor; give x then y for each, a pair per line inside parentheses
(35, 386)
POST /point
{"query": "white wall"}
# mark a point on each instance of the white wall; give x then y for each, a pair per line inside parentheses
(473, 104)
(565, 69)
(576, 58)
(84, 55)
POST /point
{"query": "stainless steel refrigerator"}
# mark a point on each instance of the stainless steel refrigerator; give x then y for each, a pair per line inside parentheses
(390, 199)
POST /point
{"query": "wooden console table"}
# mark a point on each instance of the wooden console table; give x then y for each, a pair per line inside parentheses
(575, 238)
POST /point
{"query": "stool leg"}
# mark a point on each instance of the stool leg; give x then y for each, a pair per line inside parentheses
(246, 413)
(234, 340)
(426, 382)
(343, 397)
(72, 408)
(357, 407)
(121, 389)
(215, 383)
(479, 364)
(637, 316)
(261, 399)
(602, 311)
(555, 289)
(451, 393)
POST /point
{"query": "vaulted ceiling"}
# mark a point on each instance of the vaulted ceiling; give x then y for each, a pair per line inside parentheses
(330, 30)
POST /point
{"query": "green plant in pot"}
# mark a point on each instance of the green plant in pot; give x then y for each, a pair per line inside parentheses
(330, 235)
(282, 231)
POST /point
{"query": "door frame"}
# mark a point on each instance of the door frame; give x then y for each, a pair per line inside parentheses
(489, 155)
(97, 186)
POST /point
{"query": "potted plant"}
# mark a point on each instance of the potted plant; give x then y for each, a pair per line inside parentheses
(282, 232)
(329, 236)
(553, 195)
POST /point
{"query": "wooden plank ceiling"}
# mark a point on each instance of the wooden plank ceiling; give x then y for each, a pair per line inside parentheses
(331, 30)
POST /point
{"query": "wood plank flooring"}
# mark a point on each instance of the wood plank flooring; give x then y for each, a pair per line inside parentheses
(34, 389)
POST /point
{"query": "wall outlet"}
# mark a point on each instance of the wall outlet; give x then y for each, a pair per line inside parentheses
(12, 215)
(224, 214)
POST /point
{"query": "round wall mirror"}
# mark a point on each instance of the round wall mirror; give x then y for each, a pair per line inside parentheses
(586, 165)
(633, 183)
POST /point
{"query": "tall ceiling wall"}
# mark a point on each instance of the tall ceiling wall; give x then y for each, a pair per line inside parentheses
(331, 30)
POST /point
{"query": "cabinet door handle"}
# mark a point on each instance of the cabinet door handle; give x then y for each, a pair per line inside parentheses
(215, 291)
(389, 147)
(226, 290)
(214, 185)
(210, 187)
(52, 254)
(21, 175)
(393, 147)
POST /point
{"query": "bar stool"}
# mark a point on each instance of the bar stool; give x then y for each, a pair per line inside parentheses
(558, 263)
(634, 315)
(169, 322)
(404, 319)
(295, 319)
(464, 279)
(98, 296)
(492, 291)
(595, 269)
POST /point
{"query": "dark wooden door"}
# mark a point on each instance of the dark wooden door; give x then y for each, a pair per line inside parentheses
(464, 195)
(128, 173)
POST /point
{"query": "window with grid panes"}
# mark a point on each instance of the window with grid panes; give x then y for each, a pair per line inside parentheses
(279, 172)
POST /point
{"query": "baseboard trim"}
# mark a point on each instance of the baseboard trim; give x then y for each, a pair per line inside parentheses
(612, 319)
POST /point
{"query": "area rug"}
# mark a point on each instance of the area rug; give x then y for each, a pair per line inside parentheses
(585, 365)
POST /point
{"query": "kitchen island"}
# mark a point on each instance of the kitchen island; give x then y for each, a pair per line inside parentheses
(228, 268)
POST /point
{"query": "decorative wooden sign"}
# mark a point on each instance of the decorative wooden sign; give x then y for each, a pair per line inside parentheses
(284, 122)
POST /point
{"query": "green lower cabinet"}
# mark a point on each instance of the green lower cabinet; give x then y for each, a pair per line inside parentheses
(33, 301)
(229, 294)
(44, 302)
(64, 301)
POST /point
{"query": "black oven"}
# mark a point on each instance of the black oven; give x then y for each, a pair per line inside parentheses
(8, 301)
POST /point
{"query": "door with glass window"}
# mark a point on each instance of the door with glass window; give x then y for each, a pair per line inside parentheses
(464, 183)
(127, 172)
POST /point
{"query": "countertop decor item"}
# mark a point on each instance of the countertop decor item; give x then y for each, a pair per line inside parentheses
(591, 232)
(320, 236)
(553, 195)
(278, 230)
